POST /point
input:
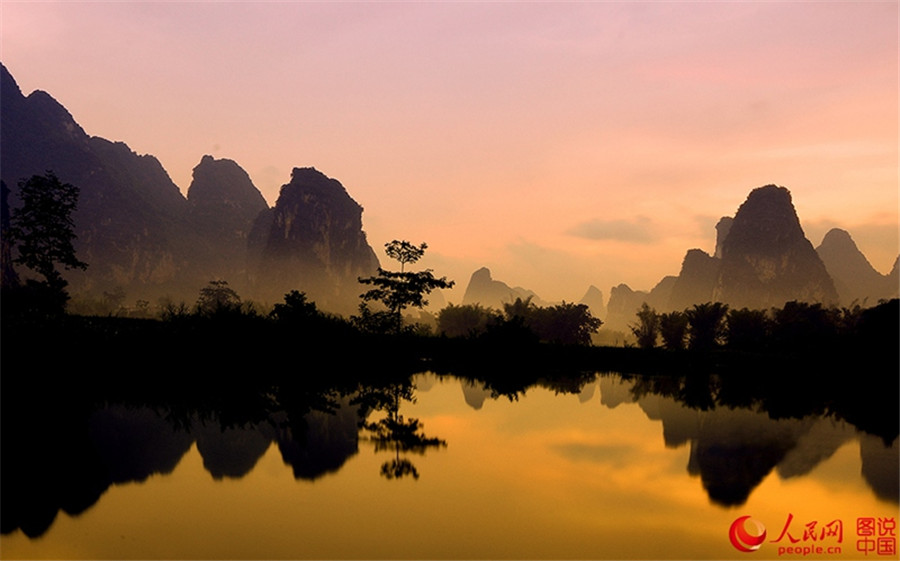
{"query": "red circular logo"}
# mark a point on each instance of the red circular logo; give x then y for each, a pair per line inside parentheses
(747, 540)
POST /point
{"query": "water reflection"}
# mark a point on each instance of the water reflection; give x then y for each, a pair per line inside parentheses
(733, 449)
(62, 452)
(320, 441)
(394, 433)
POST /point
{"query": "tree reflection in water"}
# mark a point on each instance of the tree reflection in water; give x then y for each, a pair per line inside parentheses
(740, 425)
(394, 432)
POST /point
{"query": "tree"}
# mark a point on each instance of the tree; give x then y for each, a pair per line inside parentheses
(400, 290)
(748, 329)
(8, 276)
(566, 323)
(404, 252)
(296, 308)
(519, 309)
(304, 319)
(706, 325)
(803, 325)
(647, 328)
(43, 232)
(466, 320)
(217, 298)
(673, 329)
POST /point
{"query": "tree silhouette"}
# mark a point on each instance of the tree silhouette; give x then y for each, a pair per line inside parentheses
(707, 325)
(296, 308)
(404, 252)
(647, 328)
(466, 320)
(398, 290)
(8, 276)
(802, 325)
(43, 233)
(748, 329)
(217, 298)
(566, 323)
(394, 433)
(673, 329)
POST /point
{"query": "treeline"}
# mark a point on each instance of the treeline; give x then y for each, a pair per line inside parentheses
(797, 327)
(520, 321)
(566, 323)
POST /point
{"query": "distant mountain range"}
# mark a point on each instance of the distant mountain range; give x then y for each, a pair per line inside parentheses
(140, 235)
(762, 260)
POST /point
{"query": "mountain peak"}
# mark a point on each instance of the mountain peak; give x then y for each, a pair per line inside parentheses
(309, 182)
(224, 205)
(314, 234)
(837, 236)
(224, 182)
(840, 253)
(854, 277)
(484, 290)
(766, 258)
(9, 88)
(766, 221)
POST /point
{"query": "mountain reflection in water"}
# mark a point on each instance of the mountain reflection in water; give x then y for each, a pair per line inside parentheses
(63, 452)
(733, 449)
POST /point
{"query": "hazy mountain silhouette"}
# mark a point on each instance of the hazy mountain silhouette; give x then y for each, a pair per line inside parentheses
(625, 302)
(766, 258)
(696, 281)
(224, 203)
(131, 220)
(762, 260)
(854, 277)
(137, 231)
(313, 236)
(483, 289)
(723, 226)
(593, 299)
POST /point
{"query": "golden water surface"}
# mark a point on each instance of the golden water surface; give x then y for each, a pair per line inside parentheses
(593, 475)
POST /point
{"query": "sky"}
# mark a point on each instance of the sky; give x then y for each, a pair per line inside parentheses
(559, 144)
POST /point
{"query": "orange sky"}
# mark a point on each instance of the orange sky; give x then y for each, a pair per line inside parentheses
(559, 144)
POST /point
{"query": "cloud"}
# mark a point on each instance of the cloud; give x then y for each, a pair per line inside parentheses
(637, 230)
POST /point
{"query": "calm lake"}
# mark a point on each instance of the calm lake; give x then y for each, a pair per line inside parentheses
(440, 467)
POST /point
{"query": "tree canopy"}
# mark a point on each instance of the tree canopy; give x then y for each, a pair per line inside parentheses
(217, 298)
(43, 228)
(398, 290)
(42, 232)
(404, 252)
